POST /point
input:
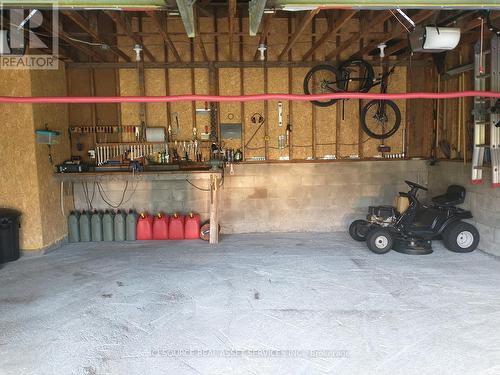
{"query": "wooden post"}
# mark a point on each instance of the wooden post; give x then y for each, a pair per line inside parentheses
(214, 208)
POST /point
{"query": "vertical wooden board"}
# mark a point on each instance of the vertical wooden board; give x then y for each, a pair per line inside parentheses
(207, 25)
(201, 88)
(223, 40)
(154, 81)
(302, 118)
(180, 40)
(180, 83)
(253, 83)
(79, 85)
(326, 120)
(277, 38)
(420, 112)
(250, 43)
(125, 44)
(129, 86)
(277, 83)
(105, 85)
(352, 26)
(154, 43)
(229, 84)
(321, 27)
(397, 84)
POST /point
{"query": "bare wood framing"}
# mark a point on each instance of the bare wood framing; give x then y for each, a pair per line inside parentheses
(79, 20)
(266, 27)
(333, 29)
(161, 27)
(381, 17)
(306, 20)
(231, 11)
(124, 23)
(199, 38)
(396, 32)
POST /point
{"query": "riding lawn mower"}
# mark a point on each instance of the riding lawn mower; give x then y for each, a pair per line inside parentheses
(411, 229)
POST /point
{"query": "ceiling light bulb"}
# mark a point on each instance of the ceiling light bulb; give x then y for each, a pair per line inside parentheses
(138, 50)
(262, 49)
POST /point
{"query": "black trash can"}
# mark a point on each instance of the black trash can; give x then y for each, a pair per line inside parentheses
(9, 235)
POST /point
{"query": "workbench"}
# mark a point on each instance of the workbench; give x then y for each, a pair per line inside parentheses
(214, 176)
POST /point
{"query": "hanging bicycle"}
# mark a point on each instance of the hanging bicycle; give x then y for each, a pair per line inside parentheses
(379, 119)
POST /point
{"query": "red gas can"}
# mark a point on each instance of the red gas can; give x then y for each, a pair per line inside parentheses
(192, 227)
(176, 227)
(144, 230)
(160, 227)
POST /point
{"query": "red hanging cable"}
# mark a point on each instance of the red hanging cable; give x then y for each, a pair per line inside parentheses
(242, 98)
(481, 66)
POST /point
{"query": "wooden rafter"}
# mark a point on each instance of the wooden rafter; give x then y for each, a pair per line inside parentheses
(62, 35)
(334, 28)
(306, 20)
(231, 12)
(161, 27)
(266, 27)
(395, 33)
(378, 19)
(78, 19)
(396, 47)
(124, 23)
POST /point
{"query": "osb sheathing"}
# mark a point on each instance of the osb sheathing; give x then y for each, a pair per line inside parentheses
(27, 182)
(336, 128)
(55, 117)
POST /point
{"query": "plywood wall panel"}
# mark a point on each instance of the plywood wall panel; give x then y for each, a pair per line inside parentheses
(277, 83)
(302, 118)
(129, 86)
(179, 84)
(105, 85)
(79, 83)
(253, 83)
(156, 113)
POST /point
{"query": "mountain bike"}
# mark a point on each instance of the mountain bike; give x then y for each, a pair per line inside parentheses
(379, 118)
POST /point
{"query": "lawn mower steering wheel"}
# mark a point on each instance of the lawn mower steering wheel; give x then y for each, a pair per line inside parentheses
(415, 185)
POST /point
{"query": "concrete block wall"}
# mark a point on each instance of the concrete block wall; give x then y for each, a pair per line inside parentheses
(482, 200)
(315, 197)
(278, 197)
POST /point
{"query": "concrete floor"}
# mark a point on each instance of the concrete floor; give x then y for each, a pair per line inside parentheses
(323, 303)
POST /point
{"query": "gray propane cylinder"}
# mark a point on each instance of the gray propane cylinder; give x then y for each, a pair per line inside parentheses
(107, 226)
(96, 223)
(73, 227)
(119, 225)
(131, 223)
(84, 223)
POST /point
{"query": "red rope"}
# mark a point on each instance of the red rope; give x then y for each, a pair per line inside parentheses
(244, 98)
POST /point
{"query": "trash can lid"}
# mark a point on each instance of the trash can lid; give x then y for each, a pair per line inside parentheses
(9, 213)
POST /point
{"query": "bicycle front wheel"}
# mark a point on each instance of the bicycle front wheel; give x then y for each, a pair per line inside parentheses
(322, 79)
(380, 119)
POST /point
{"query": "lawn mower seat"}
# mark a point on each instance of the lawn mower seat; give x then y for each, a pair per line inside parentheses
(455, 194)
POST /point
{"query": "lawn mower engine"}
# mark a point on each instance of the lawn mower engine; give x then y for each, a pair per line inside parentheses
(382, 215)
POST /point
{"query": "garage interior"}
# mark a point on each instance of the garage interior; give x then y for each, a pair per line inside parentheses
(147, 116)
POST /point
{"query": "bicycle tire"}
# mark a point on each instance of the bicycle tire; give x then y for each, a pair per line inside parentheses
(392, 130)
(308, 77)
(370, 74)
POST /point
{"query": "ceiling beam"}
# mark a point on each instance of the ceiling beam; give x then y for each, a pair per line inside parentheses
(231, 13)
(255, 13)
(187, 14)
(395, 33)
(266, 27)
(161, 27)
(378, 19)
(335, 27)
(305, 21)
(124, 23)
(78, 19)
(396, 47)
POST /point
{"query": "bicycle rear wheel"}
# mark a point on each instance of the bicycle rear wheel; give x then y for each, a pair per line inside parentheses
(322, 79)
(380, 119)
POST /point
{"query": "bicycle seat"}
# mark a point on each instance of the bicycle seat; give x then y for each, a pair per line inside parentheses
(455, 194)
